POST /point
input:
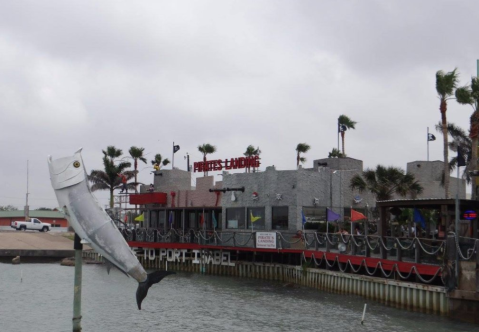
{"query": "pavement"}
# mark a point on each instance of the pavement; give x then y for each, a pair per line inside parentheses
(34, 243)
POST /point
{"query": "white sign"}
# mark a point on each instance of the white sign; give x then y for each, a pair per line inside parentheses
(266, 240)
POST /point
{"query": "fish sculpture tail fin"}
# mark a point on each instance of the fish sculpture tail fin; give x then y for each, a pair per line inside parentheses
(143, 287)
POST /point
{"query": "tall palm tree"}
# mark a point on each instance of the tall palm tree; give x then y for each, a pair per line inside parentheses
(250, 152)
(385, 182)
(469, 95)
(462, 140)
(301, 148)
(206, 149)
(445, 86)
(345, 123)
(159, 160)
(108, 178)
(137, 154)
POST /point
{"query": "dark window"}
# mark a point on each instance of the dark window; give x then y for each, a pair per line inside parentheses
(235, 218)
(256, 218)
(280, 217)
(191, 222)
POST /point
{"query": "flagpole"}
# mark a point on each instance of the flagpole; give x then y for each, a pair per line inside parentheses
(173, 157)
(427, 143)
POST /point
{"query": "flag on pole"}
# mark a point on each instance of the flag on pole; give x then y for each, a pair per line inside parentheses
(215, 223)
(418, 218)
(176, 148)
(331, 215)
(303, 217)
(141, 217)
(431, 137)
(355, 215)
(202, 219)
(341, 128)
(461, 161)
(253, 218)
(170, 219)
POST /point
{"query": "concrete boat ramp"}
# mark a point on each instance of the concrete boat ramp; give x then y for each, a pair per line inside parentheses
(36, 244)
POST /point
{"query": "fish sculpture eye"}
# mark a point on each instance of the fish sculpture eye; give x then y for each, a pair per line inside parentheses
(76, 164)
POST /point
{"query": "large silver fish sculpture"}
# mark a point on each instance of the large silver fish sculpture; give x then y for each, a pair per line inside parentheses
(93, 225)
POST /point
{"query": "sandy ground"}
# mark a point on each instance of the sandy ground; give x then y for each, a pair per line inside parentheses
(37, 240)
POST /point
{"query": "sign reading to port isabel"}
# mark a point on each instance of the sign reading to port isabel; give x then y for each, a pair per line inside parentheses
(219, 164)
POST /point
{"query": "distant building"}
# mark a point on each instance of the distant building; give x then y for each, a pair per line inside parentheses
(56, 218)
(272, 199)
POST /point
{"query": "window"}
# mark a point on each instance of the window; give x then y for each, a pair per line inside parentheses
(256, 218)
(235, 218)
(280, 217)
(191, 222)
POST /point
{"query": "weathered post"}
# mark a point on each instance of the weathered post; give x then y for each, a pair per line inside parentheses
(77, 285)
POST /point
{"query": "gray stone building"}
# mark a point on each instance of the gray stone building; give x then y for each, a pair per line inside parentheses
(275, 199)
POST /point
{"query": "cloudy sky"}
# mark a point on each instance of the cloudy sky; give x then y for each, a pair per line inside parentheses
(230, 73)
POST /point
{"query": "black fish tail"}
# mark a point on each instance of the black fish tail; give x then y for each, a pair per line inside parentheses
(143, 287)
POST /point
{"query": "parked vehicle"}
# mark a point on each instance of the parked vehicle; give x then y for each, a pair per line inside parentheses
(32, 224)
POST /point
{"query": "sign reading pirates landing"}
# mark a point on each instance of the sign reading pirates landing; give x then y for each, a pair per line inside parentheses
(233, 163)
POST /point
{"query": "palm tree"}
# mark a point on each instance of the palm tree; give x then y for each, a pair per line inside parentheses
(335, 153)
(301, 148)
(250, 152)
(108, 179)
(206, 149)
(385, 182)
(159, 160)
(137, 154)
(345, 123)
(469, 95)
(462, 140)
(445, 86)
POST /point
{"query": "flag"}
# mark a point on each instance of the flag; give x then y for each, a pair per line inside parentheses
(141, 217)
(341, 128)
(176, 148)
(355, 215)
(202, 219)
(332, 216)
(431, 137)
(253, 218)
(215, 223)
(303, 217)
(460, 157)
(170, 219)
(418, 218)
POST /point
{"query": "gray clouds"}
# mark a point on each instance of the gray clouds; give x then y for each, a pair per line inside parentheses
(229, 73)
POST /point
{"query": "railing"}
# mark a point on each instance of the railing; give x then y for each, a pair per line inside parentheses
(396, 249)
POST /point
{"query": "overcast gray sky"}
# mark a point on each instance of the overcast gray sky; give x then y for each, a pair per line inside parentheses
(230, 73)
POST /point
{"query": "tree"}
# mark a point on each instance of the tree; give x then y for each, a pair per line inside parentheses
(137, 154)
(445, 86)
(301, 148)
(108, 179)
(159, 160)
(206, 149)
(335, 153)
(469, 95)
(385, 182)
(8, 208)
(345, 123)
(251, 152)
(44, 209)
(462, 140)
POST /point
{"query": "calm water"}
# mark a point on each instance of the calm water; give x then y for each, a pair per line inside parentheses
(187, 302)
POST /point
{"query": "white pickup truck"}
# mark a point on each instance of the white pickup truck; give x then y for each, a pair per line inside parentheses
(33, 224)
